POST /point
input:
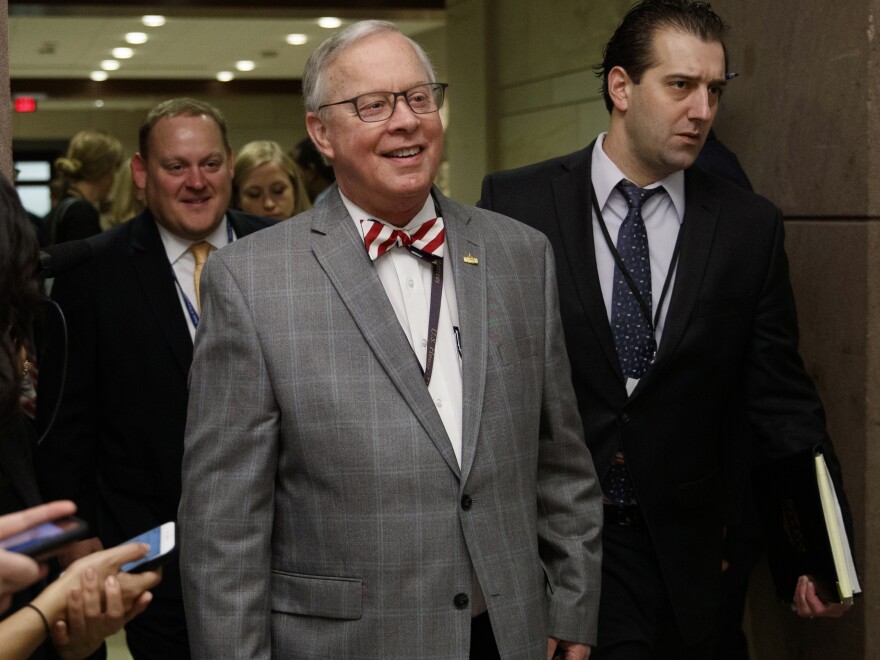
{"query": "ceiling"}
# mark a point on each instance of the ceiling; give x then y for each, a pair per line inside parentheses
(54, 46)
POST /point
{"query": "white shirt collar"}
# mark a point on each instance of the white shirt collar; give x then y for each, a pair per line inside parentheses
(357, 214)
(606, 175)
(176, 247)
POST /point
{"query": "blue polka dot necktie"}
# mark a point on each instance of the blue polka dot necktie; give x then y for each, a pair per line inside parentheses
(633, 335)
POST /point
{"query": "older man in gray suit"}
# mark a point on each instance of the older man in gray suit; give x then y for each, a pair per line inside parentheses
(383, 454)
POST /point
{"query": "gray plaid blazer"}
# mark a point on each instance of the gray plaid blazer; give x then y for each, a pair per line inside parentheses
(324, 513)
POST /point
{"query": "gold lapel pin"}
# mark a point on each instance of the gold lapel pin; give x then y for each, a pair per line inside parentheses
(471, 259)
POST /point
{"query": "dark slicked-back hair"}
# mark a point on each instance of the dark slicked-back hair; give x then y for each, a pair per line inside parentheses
(182, 107)
(631, 47)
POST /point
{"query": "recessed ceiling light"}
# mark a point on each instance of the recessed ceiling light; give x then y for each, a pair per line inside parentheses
(109, 65)
(296, 39)
(245, 65)
(153, 21)
(329, 22)
(136, 38)
(98, 76)
(225, 76)
(122, 53)
(99, 103)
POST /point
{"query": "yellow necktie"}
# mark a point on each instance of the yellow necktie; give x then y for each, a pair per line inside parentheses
(200, 252)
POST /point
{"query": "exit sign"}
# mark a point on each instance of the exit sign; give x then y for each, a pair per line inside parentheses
(25, 104)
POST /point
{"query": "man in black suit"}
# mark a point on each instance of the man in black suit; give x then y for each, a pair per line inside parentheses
(132, 310)
(655, 389)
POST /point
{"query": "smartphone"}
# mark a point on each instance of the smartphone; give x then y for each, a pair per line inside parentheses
(162, 542)
(42, 540)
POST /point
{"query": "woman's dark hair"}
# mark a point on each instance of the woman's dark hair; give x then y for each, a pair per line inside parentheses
(306, 156)
(20, 295)
(631, 47)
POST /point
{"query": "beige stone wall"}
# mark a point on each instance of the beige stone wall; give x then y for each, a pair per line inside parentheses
(523, 88)
(549, 99)
(802, 114)
(469, 126)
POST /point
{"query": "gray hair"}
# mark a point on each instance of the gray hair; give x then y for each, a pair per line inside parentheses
(326, 53)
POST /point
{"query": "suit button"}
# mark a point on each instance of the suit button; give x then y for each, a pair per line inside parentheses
(625, 418)
(461, 601)
(466, 502)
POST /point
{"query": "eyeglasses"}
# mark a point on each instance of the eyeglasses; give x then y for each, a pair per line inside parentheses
(379, 106)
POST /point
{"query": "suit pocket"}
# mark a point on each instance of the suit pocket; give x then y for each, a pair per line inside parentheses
(718, 307)
(317, 595)
(701, 495)
(518, 349)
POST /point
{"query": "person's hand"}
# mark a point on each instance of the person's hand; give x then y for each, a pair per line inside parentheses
(18, 571)
(108, 562)
(88, 624)
(807, 603)
(77, 550)
(53, 601)
(557, 648)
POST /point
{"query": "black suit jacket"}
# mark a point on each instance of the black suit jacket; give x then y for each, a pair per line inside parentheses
(116, 446)
(730, 339)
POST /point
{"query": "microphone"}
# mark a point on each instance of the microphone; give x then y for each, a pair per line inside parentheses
(61, 257)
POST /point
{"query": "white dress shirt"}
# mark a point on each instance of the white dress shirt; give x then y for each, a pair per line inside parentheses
(184, 264)
(662, 214)
(407, 281)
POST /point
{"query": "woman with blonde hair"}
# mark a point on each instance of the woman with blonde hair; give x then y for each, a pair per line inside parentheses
(88, 171)
(126, 199)
(267, 182)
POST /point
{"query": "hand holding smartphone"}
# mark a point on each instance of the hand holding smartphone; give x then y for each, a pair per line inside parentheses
(162, 541)
(47, 538)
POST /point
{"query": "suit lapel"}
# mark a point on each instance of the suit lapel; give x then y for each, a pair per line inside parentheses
(340, 252)
(463, 240)
(574, 214)
(572, 196)
(154, 273)
(697, 234)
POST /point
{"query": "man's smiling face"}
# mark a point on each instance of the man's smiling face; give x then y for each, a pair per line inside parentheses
(187, 176)
(387, 167)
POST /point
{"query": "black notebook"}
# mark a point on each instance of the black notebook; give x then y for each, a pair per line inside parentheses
(804, 527)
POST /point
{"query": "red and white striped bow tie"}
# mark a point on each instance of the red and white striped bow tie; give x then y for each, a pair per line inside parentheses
(426, 240)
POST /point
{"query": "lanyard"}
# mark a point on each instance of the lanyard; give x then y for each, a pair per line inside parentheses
(434, 313)
(436, 295)
(646, 310)
(190, 309)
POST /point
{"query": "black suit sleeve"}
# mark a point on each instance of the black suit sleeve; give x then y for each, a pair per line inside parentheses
(782, 402)
(485, 201)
